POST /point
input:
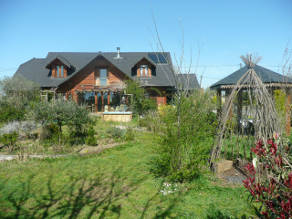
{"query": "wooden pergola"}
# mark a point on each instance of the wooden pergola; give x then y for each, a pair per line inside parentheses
(272, 81)
(101, 92)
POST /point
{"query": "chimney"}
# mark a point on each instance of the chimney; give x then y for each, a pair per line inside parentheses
(118, 53)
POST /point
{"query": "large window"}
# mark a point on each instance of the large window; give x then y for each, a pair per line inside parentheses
(62, 71)
(144, 71)
(103, 77)
(86, 98)
(58, 70)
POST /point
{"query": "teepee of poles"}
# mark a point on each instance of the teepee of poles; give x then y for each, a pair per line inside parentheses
(260, 109)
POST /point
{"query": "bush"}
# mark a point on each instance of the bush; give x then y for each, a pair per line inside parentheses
(151, 120)
(50, 134)
(23, 128)
(270, 178)
(77, 137)
(10, 112)
(129, 135)
(116, 133)
(63, 113)
(91, 139)
(18, 95)
(185, 138)
(9, 140)
(140, 104)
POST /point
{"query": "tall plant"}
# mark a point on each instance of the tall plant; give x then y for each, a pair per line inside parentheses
(187, 136)
(140, 103)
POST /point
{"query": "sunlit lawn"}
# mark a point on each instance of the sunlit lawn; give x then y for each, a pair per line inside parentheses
(115, 183)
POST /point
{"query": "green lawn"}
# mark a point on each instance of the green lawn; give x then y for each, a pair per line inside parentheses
(113, 184)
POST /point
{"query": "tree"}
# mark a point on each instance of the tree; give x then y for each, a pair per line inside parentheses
(184, 147)
(189, 126)
(140, 103)
(60, 113)
(17, 94)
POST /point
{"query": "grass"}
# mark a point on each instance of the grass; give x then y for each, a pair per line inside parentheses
(241, 144)
(115, 183)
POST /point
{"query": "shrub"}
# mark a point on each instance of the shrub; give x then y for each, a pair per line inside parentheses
(18, 95)
(77, 137)
(140, 104)
(9, 140)
(185, 138)
(91, 139)
(61, 113)
(51, 133)
(10, 112)
(116, 133)
(151, 120)
(24, 128)
(270, 178)
(129, 135)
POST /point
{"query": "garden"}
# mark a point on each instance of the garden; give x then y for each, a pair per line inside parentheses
(156, 166)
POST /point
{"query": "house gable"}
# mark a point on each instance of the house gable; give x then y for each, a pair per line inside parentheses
(89, 78)
(144, 68)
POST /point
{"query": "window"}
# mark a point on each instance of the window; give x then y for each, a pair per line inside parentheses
(103, 77)
(62, 71)
(58, 71)
(144, 71)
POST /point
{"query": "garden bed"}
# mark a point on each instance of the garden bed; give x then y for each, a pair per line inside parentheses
(117, 116)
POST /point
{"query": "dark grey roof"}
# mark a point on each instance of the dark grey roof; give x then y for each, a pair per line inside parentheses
(62, 59)
(267, 76)
(35, 69)
(188, 81)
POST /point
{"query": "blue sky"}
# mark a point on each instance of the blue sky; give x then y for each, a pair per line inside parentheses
(221, 30)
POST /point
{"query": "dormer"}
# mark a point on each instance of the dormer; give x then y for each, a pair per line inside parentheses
(144, 68)
(59, 67)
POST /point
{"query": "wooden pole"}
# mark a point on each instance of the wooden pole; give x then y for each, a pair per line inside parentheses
(102, 102)
(239, 109)
(228, 92)
(108, 99)
(219, 103)
(95, 101)
(239, 115)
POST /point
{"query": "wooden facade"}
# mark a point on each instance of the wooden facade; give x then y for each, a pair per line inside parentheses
(142, 72)
(56, 69)
(88, 81)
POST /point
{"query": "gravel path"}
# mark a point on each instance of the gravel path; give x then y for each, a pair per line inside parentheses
(232, 176)
(7, 157)
(83, 151)
(4, 157)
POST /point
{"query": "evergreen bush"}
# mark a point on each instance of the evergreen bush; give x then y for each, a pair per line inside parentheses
(91, 139)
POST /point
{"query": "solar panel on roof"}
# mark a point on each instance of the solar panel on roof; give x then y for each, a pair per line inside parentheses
(158, 58)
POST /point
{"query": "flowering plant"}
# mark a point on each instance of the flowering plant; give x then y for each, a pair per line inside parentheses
(168, 188)
(269, 179)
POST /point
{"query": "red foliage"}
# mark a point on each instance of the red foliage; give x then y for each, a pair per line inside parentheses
(259, 149)
(271, 181)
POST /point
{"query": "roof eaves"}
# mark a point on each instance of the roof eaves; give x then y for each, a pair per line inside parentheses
(60, 58)
(98, 55)
(144, 57)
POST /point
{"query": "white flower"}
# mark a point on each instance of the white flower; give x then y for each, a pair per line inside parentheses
(254, 162)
